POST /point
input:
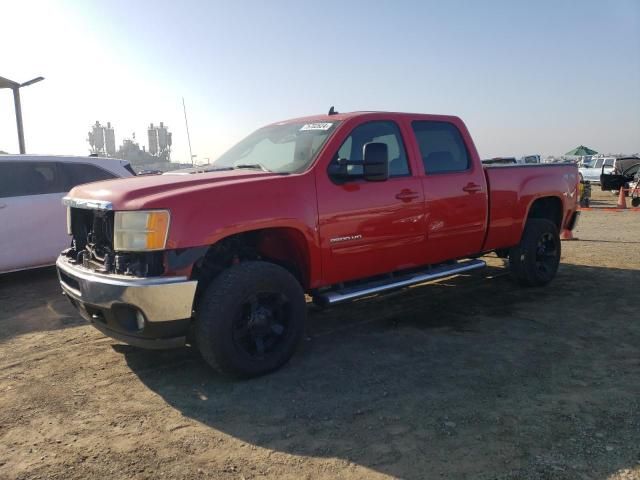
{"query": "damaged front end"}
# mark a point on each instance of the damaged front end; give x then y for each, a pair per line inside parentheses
(135, 297)
(91, 226)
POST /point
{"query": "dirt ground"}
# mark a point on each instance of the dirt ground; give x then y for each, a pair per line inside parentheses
(471, 377)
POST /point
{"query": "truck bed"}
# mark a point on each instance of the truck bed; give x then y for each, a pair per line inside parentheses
(514, 188)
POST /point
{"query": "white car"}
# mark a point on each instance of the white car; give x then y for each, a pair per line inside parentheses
(592, 170)
(32, 218)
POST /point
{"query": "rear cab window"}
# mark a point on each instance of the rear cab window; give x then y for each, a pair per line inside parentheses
(442, 147)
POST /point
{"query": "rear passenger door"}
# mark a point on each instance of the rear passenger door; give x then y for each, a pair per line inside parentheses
(456, 197)
(33, 219)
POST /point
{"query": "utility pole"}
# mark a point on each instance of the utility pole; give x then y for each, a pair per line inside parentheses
(15, 86)
(187, 124)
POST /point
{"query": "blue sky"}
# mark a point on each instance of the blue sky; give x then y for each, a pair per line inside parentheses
(527, 77)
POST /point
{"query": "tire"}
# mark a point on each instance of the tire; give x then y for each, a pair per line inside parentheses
(635, 202)
(534, 262)
(250, 319)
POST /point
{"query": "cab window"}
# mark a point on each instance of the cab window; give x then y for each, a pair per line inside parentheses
(441, 146)
(379, 131)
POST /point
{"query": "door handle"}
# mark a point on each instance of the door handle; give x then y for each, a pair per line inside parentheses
(2, 205)
(407, 195)
(472, 187)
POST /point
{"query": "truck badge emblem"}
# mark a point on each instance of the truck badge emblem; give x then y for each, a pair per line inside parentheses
(345, 239)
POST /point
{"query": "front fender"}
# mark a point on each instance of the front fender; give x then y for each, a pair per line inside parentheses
(205, 217)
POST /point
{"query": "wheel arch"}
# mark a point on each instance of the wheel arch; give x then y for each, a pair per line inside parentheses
(282, 245)
(549, 208)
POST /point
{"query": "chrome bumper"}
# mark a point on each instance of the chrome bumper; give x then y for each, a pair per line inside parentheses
(160, 299)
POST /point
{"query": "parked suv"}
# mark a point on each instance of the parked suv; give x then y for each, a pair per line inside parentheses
(592, 170)
(32, 218)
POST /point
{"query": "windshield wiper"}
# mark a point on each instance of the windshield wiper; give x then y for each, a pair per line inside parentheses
(253, 166)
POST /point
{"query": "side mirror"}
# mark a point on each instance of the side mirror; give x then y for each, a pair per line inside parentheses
(338, 170)
(376, 162)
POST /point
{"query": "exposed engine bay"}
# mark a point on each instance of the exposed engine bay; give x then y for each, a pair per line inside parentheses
(92, 246)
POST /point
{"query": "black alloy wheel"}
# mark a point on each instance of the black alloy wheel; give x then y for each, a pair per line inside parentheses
(250, 319)
(534, 262)
(262, 324)
(546, 254)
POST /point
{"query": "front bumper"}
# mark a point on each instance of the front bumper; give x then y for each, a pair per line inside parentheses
(153, 312)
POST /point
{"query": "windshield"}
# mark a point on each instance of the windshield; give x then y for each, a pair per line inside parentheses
(283, 148)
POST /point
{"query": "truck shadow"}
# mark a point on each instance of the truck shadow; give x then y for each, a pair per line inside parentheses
(31, 301)
(608, 241)
(471, 377)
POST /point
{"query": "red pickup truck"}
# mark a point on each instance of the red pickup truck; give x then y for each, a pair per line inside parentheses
(337, 206)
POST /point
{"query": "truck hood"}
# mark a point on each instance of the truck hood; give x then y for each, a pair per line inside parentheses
(155, 191)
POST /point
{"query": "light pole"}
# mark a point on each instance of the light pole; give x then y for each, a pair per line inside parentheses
(15, 86)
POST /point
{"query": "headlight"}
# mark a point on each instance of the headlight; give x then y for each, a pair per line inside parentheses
(140, 231)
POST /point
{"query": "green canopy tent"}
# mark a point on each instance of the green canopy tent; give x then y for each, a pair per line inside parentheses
(581, 151)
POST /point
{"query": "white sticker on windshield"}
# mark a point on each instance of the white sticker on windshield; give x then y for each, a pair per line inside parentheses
(316, 126)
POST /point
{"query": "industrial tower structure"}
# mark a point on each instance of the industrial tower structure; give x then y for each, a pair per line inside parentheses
(159, 142)
(102, 140)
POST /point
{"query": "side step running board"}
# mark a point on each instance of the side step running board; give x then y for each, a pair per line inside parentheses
(332, 297)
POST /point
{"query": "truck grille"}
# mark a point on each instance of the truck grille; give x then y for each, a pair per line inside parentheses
(92, 229)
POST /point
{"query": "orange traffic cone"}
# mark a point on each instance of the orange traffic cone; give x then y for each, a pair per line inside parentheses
(567, 235)
(622, 199)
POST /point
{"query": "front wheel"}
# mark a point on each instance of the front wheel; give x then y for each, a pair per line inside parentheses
(534, 262)
(250, 319)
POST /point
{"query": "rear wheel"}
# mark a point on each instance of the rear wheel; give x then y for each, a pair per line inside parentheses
(535, 261)
(635, 202)
(250, 319)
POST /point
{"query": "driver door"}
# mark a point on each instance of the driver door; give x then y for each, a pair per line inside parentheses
(369, 228)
